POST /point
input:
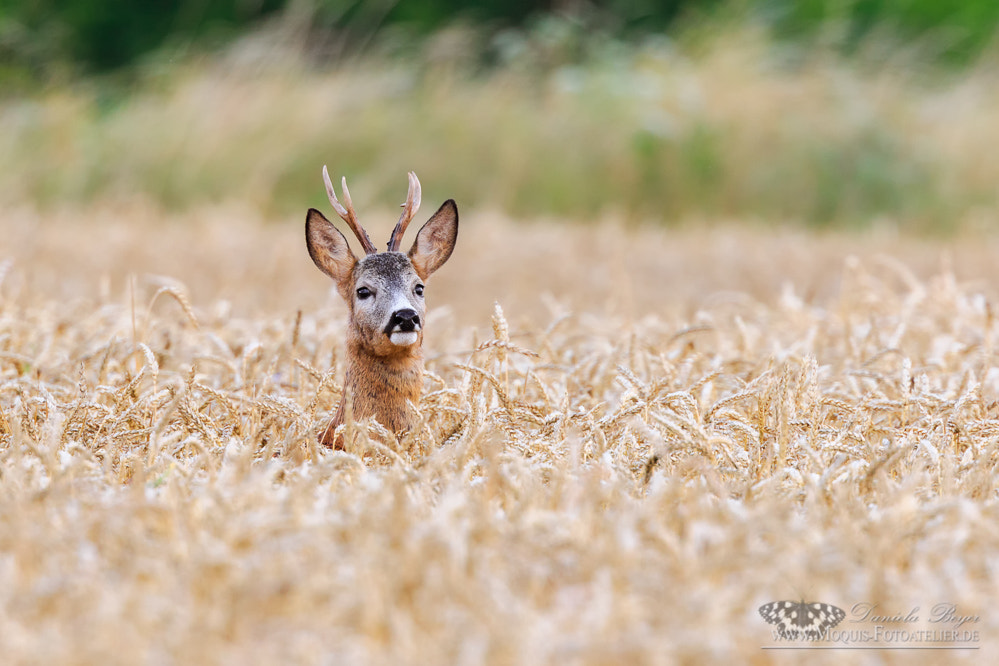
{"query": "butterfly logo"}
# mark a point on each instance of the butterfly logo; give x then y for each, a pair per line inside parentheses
(796, 620)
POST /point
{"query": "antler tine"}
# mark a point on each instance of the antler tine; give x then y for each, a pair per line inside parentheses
(408, 211)
(347, 213)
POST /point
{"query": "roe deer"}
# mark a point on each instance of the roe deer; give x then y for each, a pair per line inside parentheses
(384, 292)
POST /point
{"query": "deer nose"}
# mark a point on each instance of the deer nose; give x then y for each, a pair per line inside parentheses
(405, 320)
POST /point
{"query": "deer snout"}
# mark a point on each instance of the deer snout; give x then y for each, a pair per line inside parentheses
(406, 320)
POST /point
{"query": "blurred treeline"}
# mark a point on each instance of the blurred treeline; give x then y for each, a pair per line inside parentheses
(100, 35)
(814, 112)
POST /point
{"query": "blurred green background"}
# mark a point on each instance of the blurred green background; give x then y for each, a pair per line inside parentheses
(814, 112)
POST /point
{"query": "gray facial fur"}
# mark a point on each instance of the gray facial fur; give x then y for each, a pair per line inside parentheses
(384, 300)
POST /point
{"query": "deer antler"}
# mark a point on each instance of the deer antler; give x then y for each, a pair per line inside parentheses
(408, 211)
(347, 213)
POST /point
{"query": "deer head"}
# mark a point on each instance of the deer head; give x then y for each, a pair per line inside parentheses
(384, 291)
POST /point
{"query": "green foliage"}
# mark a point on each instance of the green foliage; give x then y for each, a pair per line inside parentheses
(564, 120)
(602, 145)
(101, 35)
(105, 34)
(431, 15)
(955, 31)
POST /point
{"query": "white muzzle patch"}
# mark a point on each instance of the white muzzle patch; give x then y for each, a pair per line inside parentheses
(404, 338)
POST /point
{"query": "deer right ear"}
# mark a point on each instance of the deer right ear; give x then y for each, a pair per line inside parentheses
(328, 248)
(435, 240)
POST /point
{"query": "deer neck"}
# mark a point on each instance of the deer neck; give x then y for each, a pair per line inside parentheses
(380, 386)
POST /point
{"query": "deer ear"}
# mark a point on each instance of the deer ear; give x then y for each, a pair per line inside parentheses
(435, 240)
(328, 248)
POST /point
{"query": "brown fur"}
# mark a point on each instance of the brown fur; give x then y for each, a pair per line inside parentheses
(381, 387)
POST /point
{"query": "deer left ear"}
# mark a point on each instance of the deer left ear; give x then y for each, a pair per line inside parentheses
(435, 241)
(329, 250)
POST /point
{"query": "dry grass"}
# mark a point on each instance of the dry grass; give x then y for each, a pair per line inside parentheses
(687, 425)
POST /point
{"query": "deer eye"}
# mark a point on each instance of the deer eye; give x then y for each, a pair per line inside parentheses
(363, 292)
(418, 289)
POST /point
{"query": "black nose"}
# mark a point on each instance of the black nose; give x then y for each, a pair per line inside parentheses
(407, 320)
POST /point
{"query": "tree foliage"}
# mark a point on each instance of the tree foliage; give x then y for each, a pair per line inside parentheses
(102, 35)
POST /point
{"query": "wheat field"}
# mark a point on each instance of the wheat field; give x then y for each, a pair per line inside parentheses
(632, 437)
